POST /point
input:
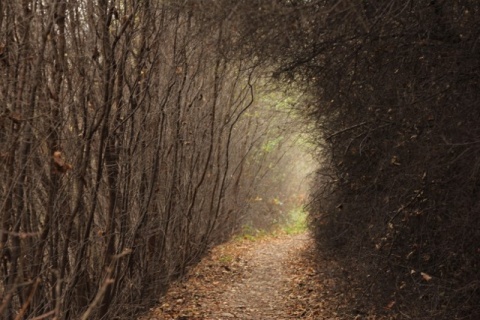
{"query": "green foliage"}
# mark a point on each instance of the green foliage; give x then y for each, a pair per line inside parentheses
(271, 144)
(226, 258)
(251, 233)
(296, 221)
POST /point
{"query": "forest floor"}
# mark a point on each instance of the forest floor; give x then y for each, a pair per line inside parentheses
(273, 277)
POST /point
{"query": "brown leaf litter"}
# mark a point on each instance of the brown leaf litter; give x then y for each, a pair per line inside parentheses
(278, 277)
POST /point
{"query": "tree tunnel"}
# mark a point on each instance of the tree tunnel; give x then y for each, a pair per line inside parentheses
(135, 135)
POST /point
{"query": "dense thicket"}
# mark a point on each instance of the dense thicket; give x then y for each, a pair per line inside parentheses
(129, 144)
(395, 98)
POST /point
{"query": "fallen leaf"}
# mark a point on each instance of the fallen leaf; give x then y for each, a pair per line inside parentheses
(426, 276)
(395, 161)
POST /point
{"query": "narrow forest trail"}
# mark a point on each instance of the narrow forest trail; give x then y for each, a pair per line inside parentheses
(264, 288)
(268, 278)
(276, 277)
(247, 279)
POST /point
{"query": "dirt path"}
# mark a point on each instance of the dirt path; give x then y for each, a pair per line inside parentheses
(239, 280)
(272, 278)
(263, 291)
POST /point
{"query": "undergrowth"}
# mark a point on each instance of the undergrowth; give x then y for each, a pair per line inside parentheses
(295, 222)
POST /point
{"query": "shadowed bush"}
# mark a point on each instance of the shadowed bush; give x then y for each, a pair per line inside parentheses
(394, 95)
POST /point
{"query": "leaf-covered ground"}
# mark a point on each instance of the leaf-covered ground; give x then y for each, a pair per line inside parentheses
(277, 277)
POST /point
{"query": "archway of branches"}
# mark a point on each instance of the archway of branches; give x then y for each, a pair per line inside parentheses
(131, 141)
(136, 134)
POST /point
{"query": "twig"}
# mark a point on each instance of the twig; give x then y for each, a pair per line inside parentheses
(346, 129)
(6, 299)
(402, 208)
(101, 292)
(58, 302)
(45, 315)
(405, 315)
(21, 235)
(108, 281)
(29, 299)
(8, 296)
